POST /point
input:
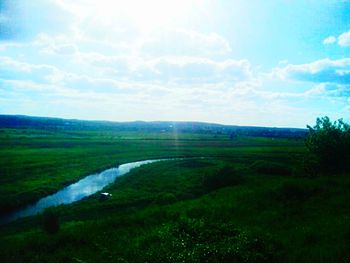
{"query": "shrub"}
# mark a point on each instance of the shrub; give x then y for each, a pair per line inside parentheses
(197, 240)
(291, 191)
(226, 176)
(271, 168)
(166, 198)
(51, 223)
(329, 143)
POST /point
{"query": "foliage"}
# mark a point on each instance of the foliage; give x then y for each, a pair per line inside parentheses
(291, 191)
(166, 198)
(51, 222)
(197, 240)
(329, 143)
(271, 168)
(226, 176)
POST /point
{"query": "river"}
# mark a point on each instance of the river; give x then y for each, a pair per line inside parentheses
(76, 191)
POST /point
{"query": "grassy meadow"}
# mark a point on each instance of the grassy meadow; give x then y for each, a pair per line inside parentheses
(239, 200)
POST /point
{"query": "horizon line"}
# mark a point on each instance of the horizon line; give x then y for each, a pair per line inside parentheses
(149, 121)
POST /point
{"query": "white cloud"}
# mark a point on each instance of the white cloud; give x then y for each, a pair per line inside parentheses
(332, 77)
(324, 70)
(84, 57)
(91, 68)
(200, 70)
(329, 40)
(344, 39)
(183, 42)
(13, 69)
(336, 90)
(21, 85)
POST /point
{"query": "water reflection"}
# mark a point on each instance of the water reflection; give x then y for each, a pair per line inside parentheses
(75, 192)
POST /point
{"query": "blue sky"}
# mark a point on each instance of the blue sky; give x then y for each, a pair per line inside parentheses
(266, 63)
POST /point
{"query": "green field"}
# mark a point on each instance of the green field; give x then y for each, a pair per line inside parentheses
(35, 163)
(246, 201)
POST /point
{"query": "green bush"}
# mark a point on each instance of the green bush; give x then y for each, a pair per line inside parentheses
(166, 198)
(226, 176)
(271, 168)
(197, 240)
(51, 223)
(292, 191)
(329, 144)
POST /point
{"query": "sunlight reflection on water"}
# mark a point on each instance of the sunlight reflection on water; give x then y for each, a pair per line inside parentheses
(75, 192)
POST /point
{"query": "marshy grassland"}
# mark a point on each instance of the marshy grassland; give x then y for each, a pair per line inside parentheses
(240, 200)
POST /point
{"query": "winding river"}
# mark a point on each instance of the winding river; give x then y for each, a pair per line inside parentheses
(76, 191)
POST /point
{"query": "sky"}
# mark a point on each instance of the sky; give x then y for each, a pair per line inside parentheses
(279, 63)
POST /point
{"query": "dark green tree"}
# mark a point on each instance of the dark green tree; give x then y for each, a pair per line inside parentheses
(329, 144)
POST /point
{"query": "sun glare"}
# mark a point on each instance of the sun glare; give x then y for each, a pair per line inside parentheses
(144, 15)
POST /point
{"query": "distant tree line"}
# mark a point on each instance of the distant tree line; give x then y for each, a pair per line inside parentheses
(57, 124)
(268, 132)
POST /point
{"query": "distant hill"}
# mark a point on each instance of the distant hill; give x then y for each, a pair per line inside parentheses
(22, 121)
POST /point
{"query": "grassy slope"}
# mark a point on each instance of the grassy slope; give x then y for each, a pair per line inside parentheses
(166, 212)
(163, 212)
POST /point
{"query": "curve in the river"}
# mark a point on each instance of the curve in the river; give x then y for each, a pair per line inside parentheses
(77, 191)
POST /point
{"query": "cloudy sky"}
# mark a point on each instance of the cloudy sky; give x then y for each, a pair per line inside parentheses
(259, 62)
